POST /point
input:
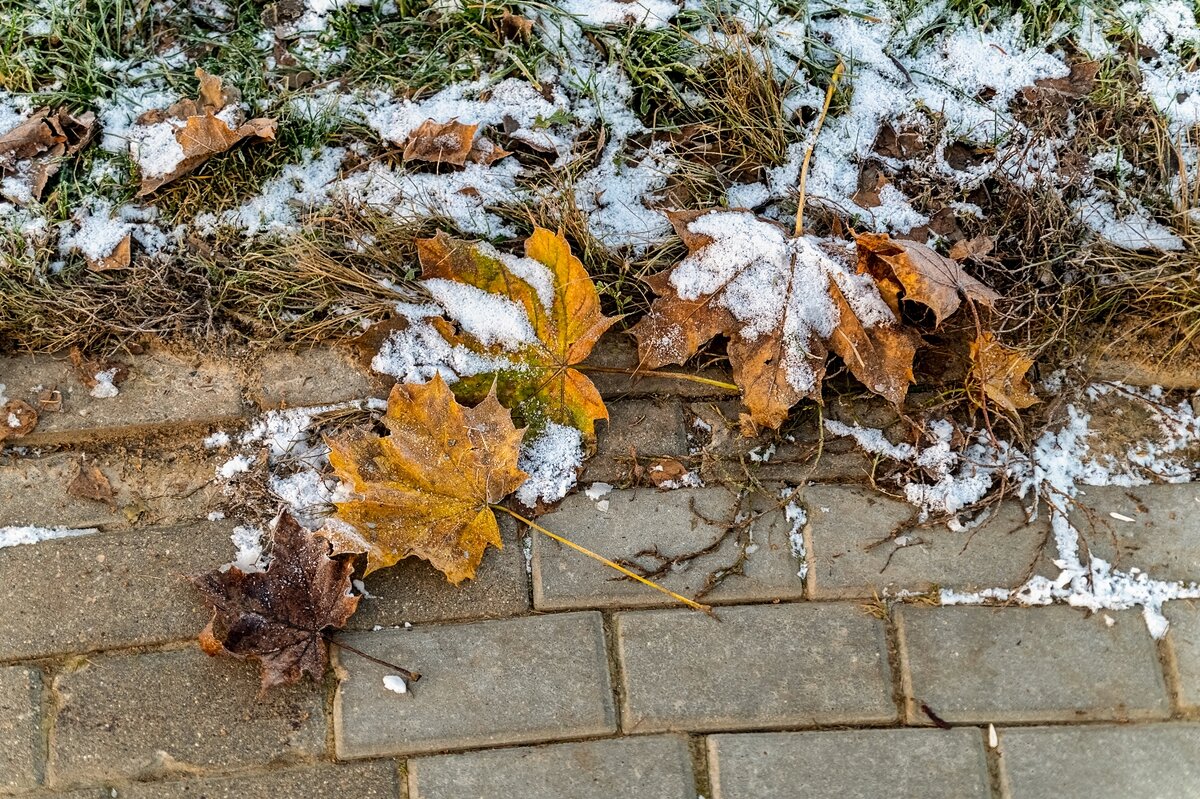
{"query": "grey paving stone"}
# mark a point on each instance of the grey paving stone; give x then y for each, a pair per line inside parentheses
(1161, 539)
(163, 390)
(106, 590)
(415, 592)
(650, 767)
(851, 557)
(1183, 642)
(20, 728)
(159, 489)
(1101, 762)
(617, 350)
(899, 764)
(675, 523)
(316, 376)
(492, 683)
(650, 427)
(753, 666)
(375, 780)
(140, 715)
(980, 664)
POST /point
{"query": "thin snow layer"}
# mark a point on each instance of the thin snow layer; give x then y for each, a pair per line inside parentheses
(249, 543)
(615, 194)
(1051, 476)
(14, 536)
(552, 461)
(96, 232)
(1135, 230)
(650, 14)
(773, 284)
(796, 517)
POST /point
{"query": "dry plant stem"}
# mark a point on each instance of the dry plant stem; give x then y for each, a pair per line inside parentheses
(833, 80)
(409, 676)
(616, 370)
(534, 525)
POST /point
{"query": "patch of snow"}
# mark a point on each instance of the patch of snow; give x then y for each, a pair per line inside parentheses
(1135, 230)
(395, 683)
(218, 440)
(552, 461)
(105, 388)
(597, 490)
(649, 14)
(234, 466)
(249, 543)
(16, 536)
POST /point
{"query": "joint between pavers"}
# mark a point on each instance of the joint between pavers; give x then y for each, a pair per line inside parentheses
(701, 776)
(995, 766)
(896, 671)
(1169, 664)
(616, 676)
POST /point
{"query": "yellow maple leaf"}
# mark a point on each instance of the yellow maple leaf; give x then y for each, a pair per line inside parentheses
(541, 384)
(999, 372)
(426, 489)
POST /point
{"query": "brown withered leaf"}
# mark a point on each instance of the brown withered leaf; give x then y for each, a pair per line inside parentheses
(202, 134)
(515, 26)
(117, 259)
(86, 368)
(17, 419)
(450, 143)
(90, 483)
(542, 383)
(425, 490)
(33, 151)
(1000, 372)
(977, 247)
(280, 616)
(911, 271)
(783, 302)
(1079, 83)
(661, 471)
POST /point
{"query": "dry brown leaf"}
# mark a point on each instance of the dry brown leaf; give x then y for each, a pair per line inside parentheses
(33, 151)
(515, 26)
(1079, 83)
(425, 490)
(450, 143)
(801, 313)
(86, 369)
(202, 134)
(911, 271)
(117, 259)
(543, 383)
(977, 247)
(279, 616)
(661, 471)
(17, 419)
(1000, 372)
(90, 483)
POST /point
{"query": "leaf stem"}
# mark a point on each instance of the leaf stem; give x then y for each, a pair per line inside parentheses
(691, 603)
(833, 81)
(617, 370)
(410, 676)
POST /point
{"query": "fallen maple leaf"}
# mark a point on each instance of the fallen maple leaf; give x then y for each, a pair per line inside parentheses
(911, 271)
(561, 307)
(17, 419)
(32, 152)
(783, 302)
(118, 258)
(279, 616)
(199, 132)
(1000, 372)
(426, 489)
(450, 143)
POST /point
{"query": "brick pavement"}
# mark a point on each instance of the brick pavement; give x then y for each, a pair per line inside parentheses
(545, 677)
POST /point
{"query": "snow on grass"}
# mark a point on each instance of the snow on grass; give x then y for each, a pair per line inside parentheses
(16, 536)
(1050, 477)
(650, 14)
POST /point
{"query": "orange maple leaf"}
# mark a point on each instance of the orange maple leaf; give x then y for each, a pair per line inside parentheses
(426, 489)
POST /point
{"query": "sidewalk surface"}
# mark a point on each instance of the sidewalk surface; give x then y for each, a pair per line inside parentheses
(545, 677)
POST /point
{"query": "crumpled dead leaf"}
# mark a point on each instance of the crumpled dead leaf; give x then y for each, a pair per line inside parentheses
(515, 26)
(86, 369)
(909, 270)
(450, 143)
(200, 133)
(976, 247)
(33, 151)
(664, 471)
(1078, 83)
(279, 616)
(543, 383)
(425, 489)
(17, 419)
(800, 289)
(1000, 372)
(91, 483)
(117, 259)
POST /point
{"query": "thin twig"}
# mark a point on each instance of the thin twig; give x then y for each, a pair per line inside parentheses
(409, 676)
(833, 79)
(691, 603)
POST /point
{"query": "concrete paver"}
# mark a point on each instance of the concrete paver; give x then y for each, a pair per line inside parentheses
(644, 767)
(981, 665)
(900, 764)
(490, 683)
(751, 667)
